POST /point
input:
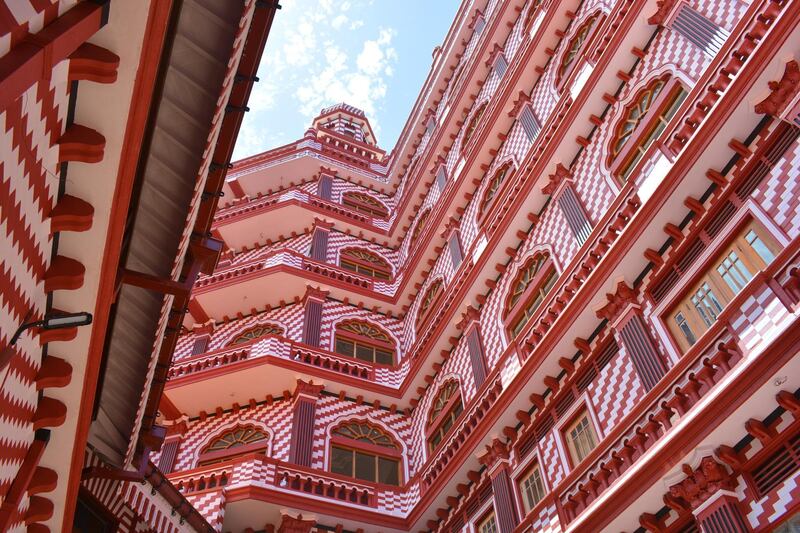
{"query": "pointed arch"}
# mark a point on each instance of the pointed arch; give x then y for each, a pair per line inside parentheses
(575, 47)
(429, 299)
(472, 124)
(445, 409)
(530, 286)
(503, 172)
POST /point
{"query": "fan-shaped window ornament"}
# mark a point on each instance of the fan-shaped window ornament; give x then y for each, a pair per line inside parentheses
(528, 291)
(364, 203)
(445, 410)
(421, 223)
(642, 122)
(574, 48)
(366, 263)
(240, 436)
(365, 452)
(472, 125)
(494, 186)
(364, 341)
(359, 431)
(428, 300)
(255, 333)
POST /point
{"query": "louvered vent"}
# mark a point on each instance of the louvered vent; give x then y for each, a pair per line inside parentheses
(699, 30)
(486, 493)
(500, 65)
(529, 123)
(660, 289)
(719, 219)
(564, 403)
(691, 253)
(771, 157)
(586, 379)
(607, 355)
(544, 426)
(774, 469)
(528, 444)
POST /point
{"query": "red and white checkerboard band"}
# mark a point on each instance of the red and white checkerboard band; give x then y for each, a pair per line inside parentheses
(779, 193)
(762, 317)
(547, 521)
(211, 505)
(615, 390)
(21, 17)
(31, 126)
(551, 459)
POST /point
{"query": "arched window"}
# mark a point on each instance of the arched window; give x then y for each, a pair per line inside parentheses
(366, 263)
(445, 409)
(366, 452)
(256, 332)
(421, 222)
(428, 300)
(533, 282)
(533, 8)
(494, 185)
(364, 341)
(573, 49)
(642, 122)
(364, 203)
(472, 125)
(236, 442)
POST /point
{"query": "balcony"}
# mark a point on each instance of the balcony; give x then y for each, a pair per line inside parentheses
(238, 373)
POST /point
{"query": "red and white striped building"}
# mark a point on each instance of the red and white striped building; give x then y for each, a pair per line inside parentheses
(566, 300)
(118, 120)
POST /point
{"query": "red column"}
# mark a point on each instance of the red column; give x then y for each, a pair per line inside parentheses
(624, 315)
(495, 458)
(305, 407)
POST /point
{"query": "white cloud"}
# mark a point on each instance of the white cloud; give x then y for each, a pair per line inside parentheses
(339, 21)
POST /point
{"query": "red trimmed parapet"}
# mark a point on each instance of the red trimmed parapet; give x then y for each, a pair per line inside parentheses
(79, 143)
(93, 63)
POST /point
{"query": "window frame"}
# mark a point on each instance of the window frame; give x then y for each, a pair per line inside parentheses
(421, 224)
(424, 314)
(365, 208)
(207, 458)
(623, 164)
(357, 339)
(489, 514)
(535, 464)
(514, 312)
(387, 270)
(705, 270)
(564, 73)
(353, 445)
(569, 422)
(471, 125)
(434, 425)
(508, 169)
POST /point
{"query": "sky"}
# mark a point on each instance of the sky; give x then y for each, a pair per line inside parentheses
(373, 54)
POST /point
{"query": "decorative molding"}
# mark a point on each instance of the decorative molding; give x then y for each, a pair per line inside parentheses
(701, 483)
(93, 63)
(782, 91)
(662, 13)
(623, 297)
(308, 388)
(555, 179)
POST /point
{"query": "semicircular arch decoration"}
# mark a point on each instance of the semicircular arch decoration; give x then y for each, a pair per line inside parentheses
(364, 203)
(365, 341)
(365, 262)
(365, 432)
(422, 221)
(239, 436)
(256, 332)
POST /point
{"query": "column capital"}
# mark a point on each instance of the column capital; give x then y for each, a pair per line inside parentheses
(782, 91)
(623, 297)
(307, 389)
(702, 483)
(291, 524)
(495, 455)
(315, 293)
(554, 180)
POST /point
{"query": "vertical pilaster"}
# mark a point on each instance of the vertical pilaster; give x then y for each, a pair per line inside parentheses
(495, 458)
(304, 413)
(625, 317)
(722, 514)
(477, 359)
(313, 300)
(202, 338)
(325, 186)
(319, 240)
(561, 188)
